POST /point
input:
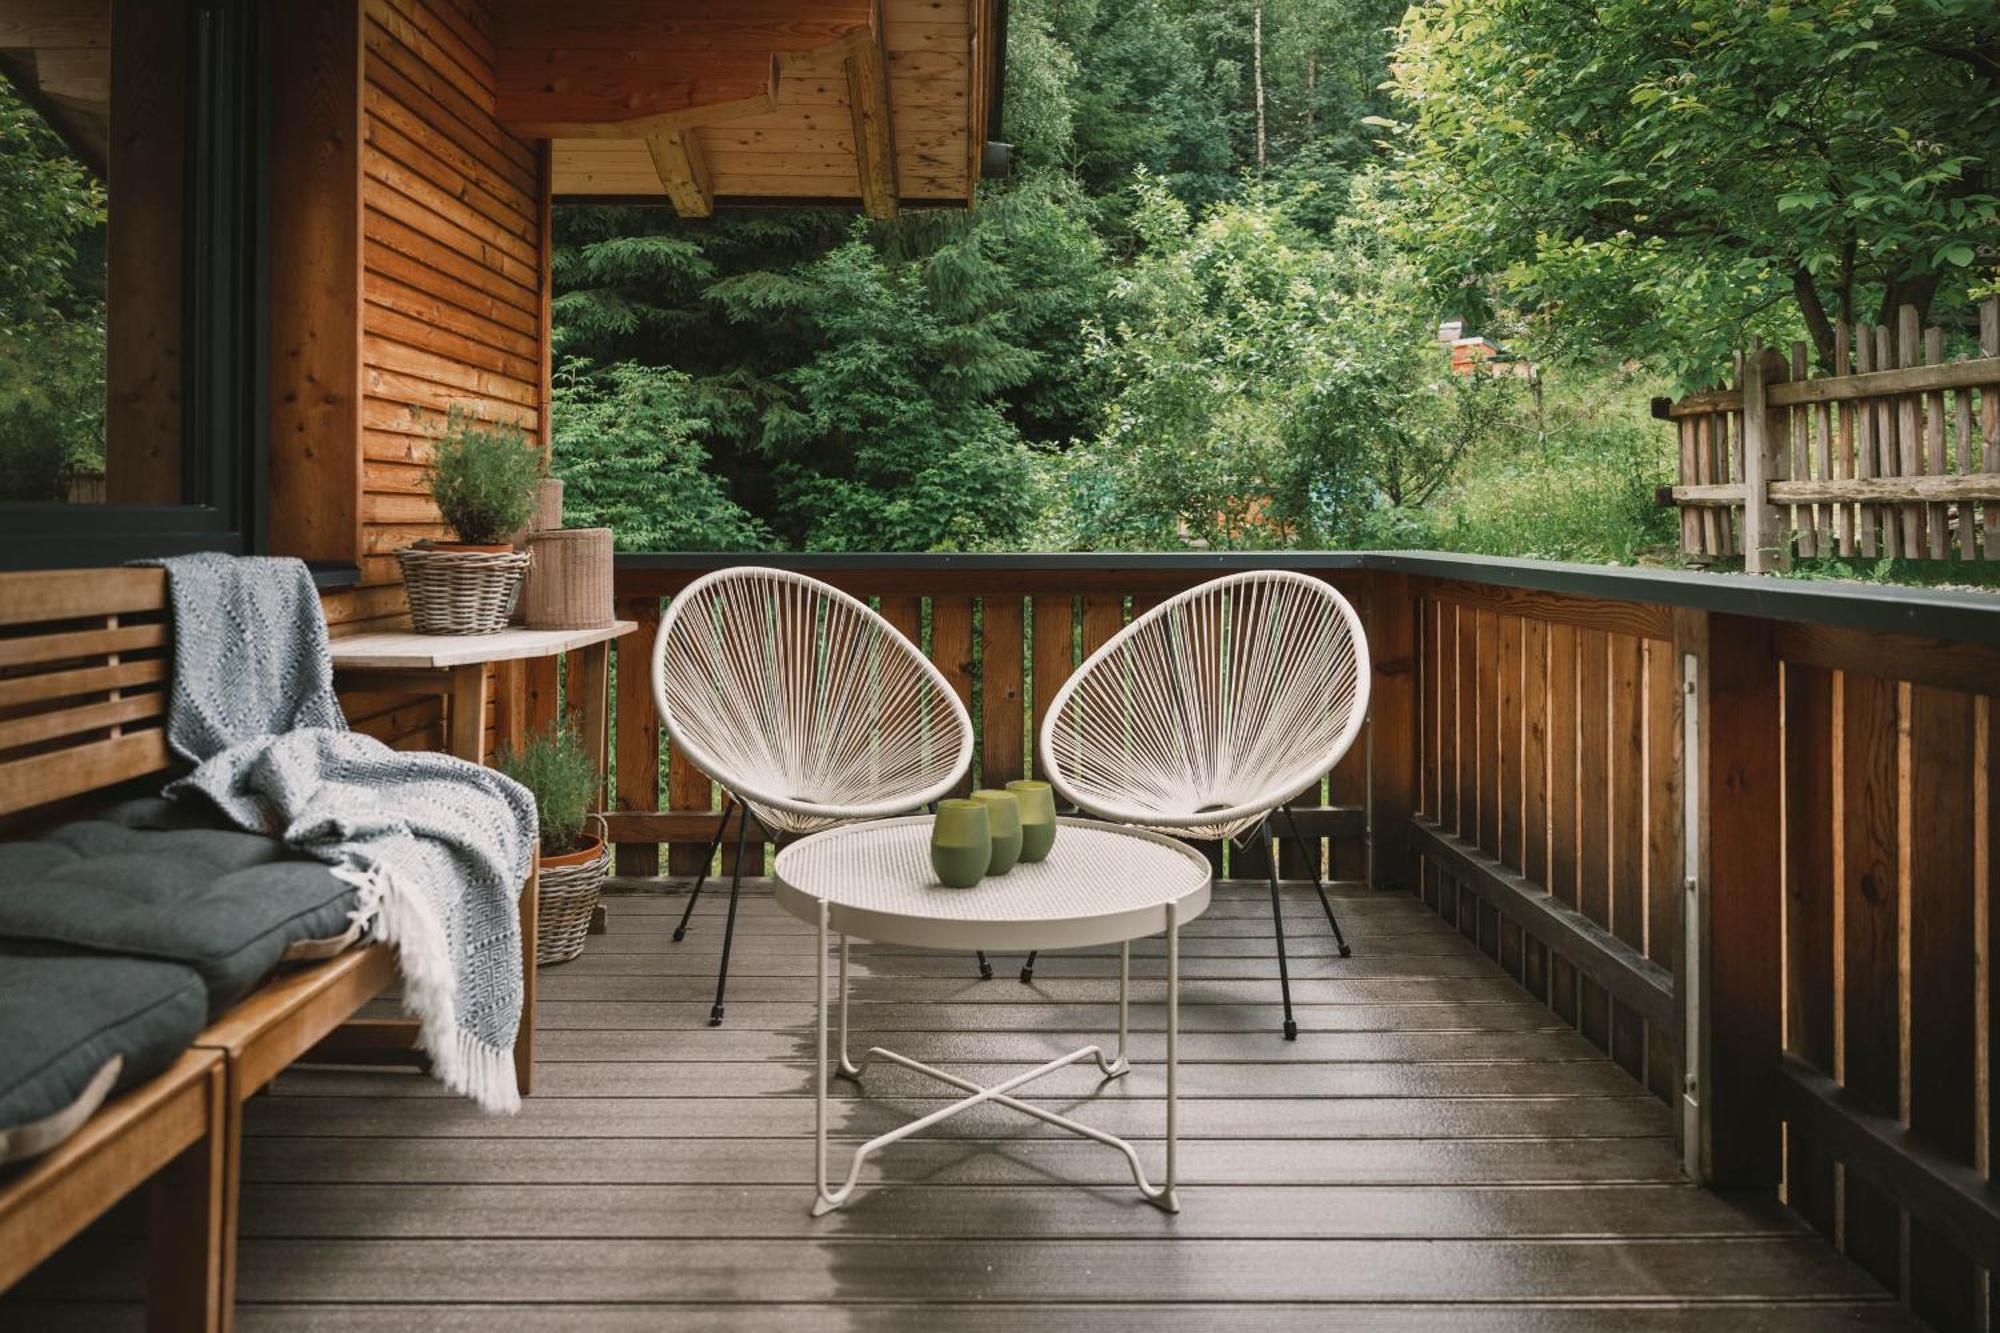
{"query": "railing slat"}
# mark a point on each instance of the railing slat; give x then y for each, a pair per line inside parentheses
(636, 784)
(1809, 917)
(1055, 654)
(951, 650)
(1001, 695)
(1871, 1058)
(1942, 980)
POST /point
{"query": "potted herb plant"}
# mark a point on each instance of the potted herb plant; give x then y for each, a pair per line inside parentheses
(483, 477)
(571, 859)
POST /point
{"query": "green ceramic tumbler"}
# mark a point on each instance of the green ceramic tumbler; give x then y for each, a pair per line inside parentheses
(961, 843)
(1038, 817)
(1003, 814)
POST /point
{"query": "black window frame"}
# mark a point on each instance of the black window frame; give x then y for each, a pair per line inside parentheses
(225, 267)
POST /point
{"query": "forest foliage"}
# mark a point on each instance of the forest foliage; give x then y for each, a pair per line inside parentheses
(1203, 309)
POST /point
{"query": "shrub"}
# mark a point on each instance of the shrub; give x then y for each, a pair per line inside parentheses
(483, 477)
(627, 450)
(555, 769)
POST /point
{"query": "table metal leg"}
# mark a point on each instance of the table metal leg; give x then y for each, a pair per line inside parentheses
(823, 1203)
(1122, 1064)
(1166, 1198)
(1161, 1196)
(846, 1068)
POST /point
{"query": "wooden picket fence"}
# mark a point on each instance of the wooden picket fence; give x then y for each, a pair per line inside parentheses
(1896, 453)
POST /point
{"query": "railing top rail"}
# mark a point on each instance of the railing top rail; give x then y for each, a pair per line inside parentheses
(1933, 613)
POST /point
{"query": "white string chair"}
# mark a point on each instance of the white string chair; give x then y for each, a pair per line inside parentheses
(1210, 712)
(805, 706)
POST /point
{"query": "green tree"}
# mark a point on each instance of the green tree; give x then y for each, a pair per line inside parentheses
(51, 310)
(1265, 387)
(1667, 179)
(626, 450)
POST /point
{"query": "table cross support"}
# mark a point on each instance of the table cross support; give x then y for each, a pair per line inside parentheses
(1161, 1196)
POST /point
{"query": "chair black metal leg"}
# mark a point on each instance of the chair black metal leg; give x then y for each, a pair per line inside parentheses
(985, 968)
(1278, 926)
(1292, 822)
(1028, 968)
(729, 922)
(680, 931)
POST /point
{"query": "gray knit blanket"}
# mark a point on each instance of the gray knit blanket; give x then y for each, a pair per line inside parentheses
(436, 847)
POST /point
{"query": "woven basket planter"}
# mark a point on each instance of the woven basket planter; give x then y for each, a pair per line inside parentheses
(567, 894)
(461, 592)
(569, 584)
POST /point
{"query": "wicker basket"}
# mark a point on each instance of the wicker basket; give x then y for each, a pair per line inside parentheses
(567, 898)
(569, 585)
(461, 592)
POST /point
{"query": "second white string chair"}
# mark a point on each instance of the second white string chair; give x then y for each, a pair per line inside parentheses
(805, 706)
(1206, 715)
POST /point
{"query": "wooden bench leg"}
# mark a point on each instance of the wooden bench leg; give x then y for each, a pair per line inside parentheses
(524, 1038)
(191, 1232)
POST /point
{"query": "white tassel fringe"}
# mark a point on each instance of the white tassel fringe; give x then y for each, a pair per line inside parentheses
(459, 1060)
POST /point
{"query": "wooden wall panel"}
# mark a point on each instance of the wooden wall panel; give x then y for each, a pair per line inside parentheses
(411, 277)
(315, 330)
(452, 262)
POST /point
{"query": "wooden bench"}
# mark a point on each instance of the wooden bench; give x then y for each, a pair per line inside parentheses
(85, 658)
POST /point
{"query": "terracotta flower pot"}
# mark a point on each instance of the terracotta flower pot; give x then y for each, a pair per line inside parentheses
(480, 548)
(582, 856)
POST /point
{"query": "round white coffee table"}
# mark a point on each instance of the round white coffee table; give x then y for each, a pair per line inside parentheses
(1102, 884)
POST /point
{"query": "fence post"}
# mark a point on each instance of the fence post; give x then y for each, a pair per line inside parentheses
(1392, 731)
(1736, 1033)
(1767, 545)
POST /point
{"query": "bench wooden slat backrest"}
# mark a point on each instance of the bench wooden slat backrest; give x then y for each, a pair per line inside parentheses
(84, 660)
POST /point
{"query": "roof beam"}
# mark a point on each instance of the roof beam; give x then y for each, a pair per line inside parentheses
(683, 169)
(867, 68)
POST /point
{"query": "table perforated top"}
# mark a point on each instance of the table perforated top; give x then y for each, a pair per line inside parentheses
(1101, 884)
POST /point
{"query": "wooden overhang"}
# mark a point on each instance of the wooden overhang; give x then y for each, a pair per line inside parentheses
(58, 59)
(881, 103)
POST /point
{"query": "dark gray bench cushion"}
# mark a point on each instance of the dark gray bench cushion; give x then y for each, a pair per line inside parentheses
(64, 1016)
(149, 881)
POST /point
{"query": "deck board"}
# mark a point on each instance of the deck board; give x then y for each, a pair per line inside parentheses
(659, 1178)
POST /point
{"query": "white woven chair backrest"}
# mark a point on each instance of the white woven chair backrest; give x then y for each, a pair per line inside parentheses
(803, 701)
(1213, 708)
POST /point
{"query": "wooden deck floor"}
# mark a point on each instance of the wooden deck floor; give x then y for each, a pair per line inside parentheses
(1432, 1140)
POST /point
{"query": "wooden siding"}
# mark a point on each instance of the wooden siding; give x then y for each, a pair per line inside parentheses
(1435, 1150)
(453, 285)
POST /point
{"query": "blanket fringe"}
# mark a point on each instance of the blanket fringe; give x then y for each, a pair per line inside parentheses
(459, 1059)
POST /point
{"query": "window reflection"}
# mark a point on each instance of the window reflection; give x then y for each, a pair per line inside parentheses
(92, 102)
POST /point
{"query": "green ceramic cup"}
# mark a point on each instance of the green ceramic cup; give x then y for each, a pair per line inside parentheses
(961, 843)
(1038, 817)
(1003, 815)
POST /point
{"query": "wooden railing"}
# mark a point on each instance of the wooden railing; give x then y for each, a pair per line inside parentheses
(1741, 834)
(1895, 453)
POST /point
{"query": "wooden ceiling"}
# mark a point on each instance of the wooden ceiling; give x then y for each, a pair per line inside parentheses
(58, 58)
(881, 103)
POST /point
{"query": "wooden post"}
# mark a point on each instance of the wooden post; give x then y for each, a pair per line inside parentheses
(1392, 732)
(1738, 1035)
(188, 1286)
(1767, 545)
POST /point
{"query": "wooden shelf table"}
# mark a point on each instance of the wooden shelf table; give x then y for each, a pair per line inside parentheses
(454, 667)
